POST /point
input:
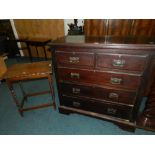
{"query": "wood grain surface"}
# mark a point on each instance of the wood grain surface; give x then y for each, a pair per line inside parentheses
(39, 28)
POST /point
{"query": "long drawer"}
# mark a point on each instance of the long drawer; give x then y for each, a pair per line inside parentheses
(121, 61)
(114, 95)
(75, 59)
(103, 78)
(106, 108)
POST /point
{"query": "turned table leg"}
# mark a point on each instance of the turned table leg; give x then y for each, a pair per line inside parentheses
(10, 86)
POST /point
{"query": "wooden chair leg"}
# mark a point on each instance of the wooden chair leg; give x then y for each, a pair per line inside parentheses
(29, 51)
(45, 52)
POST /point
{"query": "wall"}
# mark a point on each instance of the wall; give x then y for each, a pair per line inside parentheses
(54, 28)
(39, 28)
(6, 32)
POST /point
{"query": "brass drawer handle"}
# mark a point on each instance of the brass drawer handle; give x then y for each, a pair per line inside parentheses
(74, 60)
(115, 81)
(76, 104)
(118, 63)
(113, 95)
(111, 111)
(76, 90)
(75, 75)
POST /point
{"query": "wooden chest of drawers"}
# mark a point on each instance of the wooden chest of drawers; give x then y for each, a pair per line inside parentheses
(101, 80)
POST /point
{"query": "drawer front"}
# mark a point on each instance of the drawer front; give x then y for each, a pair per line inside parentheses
(108, 94)
(71, 59)
(113, 79)
(121, 61)
(98, 107)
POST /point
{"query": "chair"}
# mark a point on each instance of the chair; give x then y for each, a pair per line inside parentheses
(28, 44)
(37, 43)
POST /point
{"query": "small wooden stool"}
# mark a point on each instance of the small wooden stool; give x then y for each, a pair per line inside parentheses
(28, 72)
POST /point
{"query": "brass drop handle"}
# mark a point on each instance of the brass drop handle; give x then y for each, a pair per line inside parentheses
(75, 75)
(111, 111)
(115, 80)
(113, 95)
(118, 63)
(74, 60)
(76, 90)
(76, 104)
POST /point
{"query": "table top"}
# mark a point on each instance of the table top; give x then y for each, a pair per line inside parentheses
(28, 69)
(104, 40)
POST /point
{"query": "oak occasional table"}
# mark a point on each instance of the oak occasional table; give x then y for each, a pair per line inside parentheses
(28, 72)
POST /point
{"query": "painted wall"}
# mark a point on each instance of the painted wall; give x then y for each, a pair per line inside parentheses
(39, 28)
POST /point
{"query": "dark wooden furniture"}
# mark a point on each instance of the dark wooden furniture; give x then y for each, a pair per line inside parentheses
(147, 118)
(119, 27)
(2, 68)
(33, 43)
(37, 42)
(104, 77)
(28, 72)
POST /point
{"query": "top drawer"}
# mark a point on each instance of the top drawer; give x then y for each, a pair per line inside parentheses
(121, 61)
(76, 60)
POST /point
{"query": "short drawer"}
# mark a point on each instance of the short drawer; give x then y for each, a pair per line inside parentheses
(106, 108)
(75, 59)
(118, 96)
(121, 61)
(103, 78)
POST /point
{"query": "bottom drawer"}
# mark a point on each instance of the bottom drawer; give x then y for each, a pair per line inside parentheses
(107, 108)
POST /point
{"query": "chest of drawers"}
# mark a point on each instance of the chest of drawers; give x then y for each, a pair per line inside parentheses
(101, 80)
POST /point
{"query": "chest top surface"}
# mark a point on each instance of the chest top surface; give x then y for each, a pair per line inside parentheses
(82, 40)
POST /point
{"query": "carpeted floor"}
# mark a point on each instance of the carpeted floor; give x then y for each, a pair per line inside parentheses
(47, 121)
